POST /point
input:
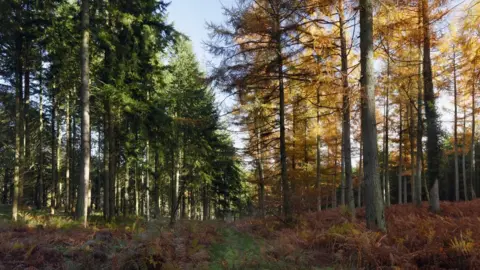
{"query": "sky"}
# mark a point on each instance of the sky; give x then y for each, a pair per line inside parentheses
(190, 18)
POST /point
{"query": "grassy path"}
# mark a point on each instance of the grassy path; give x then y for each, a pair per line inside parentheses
(242, 251)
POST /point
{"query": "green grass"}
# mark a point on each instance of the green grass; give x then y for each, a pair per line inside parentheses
(236, 251)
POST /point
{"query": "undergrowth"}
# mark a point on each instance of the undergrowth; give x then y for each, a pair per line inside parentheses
(416, 238)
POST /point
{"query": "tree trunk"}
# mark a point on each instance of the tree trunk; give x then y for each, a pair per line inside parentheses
(472, 143)
(261, 180)
(147, 179)
(287, 211)
(360, 178)
(68, 155)
(411, 136)
(40, 185)
(53, 202)
(347, 147)
(433, 129)
(112, 161)
(455, 136)
(173, 190)
(106, 163)
(18, 173)
(85, 103)
(419, 167)
(386, 154)
(373, 196)
(126, 204)
(26, 129)
(334, 179)
(58, 194)
(156, 186)
(135, 175)
(464, 151)
(400, 157)
(318, 157)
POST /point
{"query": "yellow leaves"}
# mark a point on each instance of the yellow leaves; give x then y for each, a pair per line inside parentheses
(345, 229)
(18, 245)
(464, 244)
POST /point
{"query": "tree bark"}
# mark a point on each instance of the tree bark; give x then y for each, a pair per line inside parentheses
(433, 129)
(386, 172)
(419, 167)
(360, 178)
(375, 216)
(287, 211)
(400, 156)
(347, 147)
(472, 143)
(40, 186)
(68, 155)
(259, 161)
(53, 202)
(411, 137)
(85, 126)
(58, 193)
(147, 179)
(156, 186)
(318, 157)
(106, 163)
(464, 150)
(18, 171)
(455, 136)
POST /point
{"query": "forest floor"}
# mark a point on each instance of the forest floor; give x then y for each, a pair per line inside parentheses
(320, 240)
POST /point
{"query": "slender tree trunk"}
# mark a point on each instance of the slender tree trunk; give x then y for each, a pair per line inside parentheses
(360, 177)
(261, 180)
(85, 103)
(342, 174)
(173, 191)
(411, 136)
(347, 147)
(74, 169)
(68, 155)
(40, 185)
(137, 180)
(26, 128)
(464, 150)
(58, 199)
(287, 211)
(455, 124)
(112, 161)
(106, 163)
(386, 178)
(147, 179)
(373, 196)
(318, 157)
(433, 130)
(400, 156)
(419, 167)
(206, 202)
(18, 172)
(334, 180)
(126, 197)
(472, 143)
(156, 186)
(6, 184)
(53, 202)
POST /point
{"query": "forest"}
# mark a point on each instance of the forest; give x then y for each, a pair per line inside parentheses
(351, 142)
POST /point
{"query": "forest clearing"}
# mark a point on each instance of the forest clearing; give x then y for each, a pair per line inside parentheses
(239, 134)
